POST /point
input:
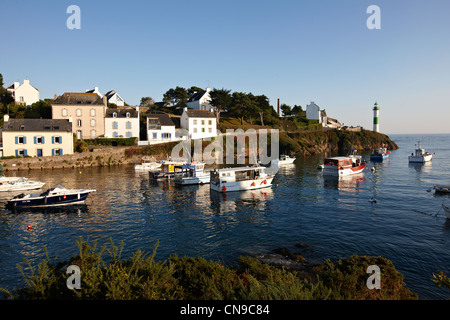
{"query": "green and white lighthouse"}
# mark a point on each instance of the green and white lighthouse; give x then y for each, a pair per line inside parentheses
(376, 113)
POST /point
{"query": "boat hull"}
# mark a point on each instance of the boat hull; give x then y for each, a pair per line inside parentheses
(442, 189)
(379, 157)
(51, 201)
(340, 172)
(231, 186)
(446, 210)
(416, 159)
(193, 180)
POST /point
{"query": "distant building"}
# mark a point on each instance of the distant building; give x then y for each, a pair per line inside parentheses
(114, 98)
(160, 128)
(200, 100)
(96, 91)
(199, 124)
(122, 122)
(24, 93)
(36, 137)
(87, 111)
(313, 112)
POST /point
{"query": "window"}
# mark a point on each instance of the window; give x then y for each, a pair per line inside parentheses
(79, 123)
(57, 152)
(56, 139)
(155, 135)
(64, 112)
(203, 129)
(195, 130)
(78, 112)
(115, 135)
(92, 112)
(21, 140)
(93, 133)
(203, 122)
(39, 140)
(21, 99)
(92, 122)
(128, 115)
(115, 125)
(166, 135)
(195, 121)
(21, 153)
(209, 122)
(128, 124)
(55, 127)
(115, 115)
(210, 130)
(128, 134)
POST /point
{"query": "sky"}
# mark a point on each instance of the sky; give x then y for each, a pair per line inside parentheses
(297, 51)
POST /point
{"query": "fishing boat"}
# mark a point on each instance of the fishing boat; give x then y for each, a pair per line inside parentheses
(243, 178)
(285, 159)
(147, 164)
(343, 166)
(21, 184)
(441, 189)
(419, 155)
(193, 173)
(58, 196)
(446, 210)
(380, 154)
(167, 170)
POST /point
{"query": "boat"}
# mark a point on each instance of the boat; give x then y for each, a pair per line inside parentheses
(4, 179)
(380, 154)
(167, 170)
(193, 173)
(285, 159)
(147, 164)
(243, 178)
(58, 196)
(446, 210)
(21, 184)
(419, 155)
(441, 189)
(343, 166)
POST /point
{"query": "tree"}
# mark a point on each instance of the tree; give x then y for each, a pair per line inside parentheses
(242, 105)
(176, 97)
(286, 109)
(193, 89)
(40, 109)
(221, 100)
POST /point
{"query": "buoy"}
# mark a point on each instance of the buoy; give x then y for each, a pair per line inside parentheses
(224, 188)
(372, 200)
(29, 227)
(64, 196)
(265, 182)
(253, 184)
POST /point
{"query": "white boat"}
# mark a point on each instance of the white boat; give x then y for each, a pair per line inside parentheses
(441, 189)
(193, 173)
(446, 210)
(285, 159)
(58, 196)
(243, 178)
(420, 155)
(167, 170)
(147, 164)
(343, 166)
(21, 184)
(4, 179)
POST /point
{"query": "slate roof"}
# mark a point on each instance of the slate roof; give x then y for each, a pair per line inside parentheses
(163, 119)
(194, 113)
(121, 113)
(196, 96)
(82, 98)
(60, 125)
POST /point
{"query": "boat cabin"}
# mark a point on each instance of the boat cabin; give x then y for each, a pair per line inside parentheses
(235, 174)
(343, 162)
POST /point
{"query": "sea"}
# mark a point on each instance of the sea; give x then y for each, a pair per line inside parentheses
(390, 210)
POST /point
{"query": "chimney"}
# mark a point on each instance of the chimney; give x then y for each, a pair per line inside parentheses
(26, 81)
(279, 113)
(105, 102)
(55, 97)
(16, 84)
(5, 118)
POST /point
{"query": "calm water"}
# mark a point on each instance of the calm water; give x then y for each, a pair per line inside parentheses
(335, 218)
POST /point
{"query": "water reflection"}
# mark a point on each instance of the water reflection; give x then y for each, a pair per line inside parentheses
(420, 167)
(346, 183)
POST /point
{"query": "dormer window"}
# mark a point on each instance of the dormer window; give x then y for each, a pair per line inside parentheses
(128, 114)
(115, 115)
(22, 127)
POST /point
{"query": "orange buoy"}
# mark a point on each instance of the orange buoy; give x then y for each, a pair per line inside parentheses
(224, 188)
(253, 184)
(29, 227)
(265, 182)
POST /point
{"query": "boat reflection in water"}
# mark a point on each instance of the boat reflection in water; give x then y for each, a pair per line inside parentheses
(255, 199)
(75, 209)
(344, 183)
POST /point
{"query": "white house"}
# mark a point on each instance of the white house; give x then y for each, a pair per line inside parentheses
(199, 124)
(122, 123)
(160, 128)
(24, 93)
(95, 90)
(200, 100)
(313, 112)
(113, 97)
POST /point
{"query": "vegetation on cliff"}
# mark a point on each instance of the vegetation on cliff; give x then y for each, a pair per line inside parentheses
(180, 278)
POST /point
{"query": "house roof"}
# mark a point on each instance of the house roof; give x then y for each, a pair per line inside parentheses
(163, 119)
(196, 96)
(194, 113)
(60, 125)
(111, 93)
(83, 98)
(121, 113)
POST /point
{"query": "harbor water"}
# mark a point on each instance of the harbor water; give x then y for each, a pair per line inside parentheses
(335, 217)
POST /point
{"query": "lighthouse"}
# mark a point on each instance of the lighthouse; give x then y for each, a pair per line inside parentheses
(376, 113)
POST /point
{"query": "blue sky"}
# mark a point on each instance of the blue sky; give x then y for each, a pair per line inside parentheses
(297, 51)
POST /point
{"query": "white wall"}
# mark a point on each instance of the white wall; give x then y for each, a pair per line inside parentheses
(25, 93)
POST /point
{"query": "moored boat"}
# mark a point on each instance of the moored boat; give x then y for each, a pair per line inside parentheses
(285, 159)
(147, 164)
(441, 189)
(243, 178)
(193, 173)
(343, 166)
(380, 154)
(58, 196)
(21, 184)
(420, 155)
(446, 210)
(167, 170)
